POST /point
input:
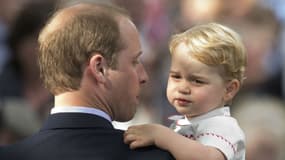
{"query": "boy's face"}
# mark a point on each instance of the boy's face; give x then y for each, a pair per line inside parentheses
(194, 88)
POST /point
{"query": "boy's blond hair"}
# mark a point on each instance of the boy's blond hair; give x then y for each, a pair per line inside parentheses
(215, 45)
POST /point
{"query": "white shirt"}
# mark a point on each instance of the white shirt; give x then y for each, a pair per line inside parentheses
(80, 109)
(216, 129)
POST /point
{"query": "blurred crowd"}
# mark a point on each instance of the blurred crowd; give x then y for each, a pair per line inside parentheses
(259, 107)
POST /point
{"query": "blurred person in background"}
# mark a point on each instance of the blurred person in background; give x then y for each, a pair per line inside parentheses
(21, 78)
(20, 84)
(17, 121)
(235, 10)
(278, 6)
(192, 12)
(8, 11)
(262, 119)
(260, 31)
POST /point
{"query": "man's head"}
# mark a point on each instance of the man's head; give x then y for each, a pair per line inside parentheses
(70, 38)
(93, 50)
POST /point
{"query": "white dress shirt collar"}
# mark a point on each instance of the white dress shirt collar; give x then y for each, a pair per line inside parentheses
(183, 120)
(223, 111)
(80, 109)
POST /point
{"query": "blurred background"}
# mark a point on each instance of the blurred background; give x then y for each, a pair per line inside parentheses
(259, 106)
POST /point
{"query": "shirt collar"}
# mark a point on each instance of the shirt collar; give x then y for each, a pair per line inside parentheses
(223, 111)
(183, 120)
(80, 109)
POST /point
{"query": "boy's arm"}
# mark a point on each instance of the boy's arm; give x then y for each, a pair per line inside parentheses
(179, 146)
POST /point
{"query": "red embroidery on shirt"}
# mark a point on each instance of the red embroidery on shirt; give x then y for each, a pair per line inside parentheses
(190, 136)
(218, 136)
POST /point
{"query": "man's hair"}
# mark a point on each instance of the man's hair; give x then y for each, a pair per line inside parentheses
(70, 39)
(215, 45)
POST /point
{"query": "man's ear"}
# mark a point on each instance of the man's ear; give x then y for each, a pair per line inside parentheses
(232, 87)
(97, 64)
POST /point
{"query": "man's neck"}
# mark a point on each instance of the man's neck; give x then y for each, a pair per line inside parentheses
(75, 98)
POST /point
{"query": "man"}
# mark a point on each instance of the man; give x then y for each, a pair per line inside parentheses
(89, 59)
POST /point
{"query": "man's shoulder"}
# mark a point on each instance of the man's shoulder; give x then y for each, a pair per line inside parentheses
(94, 143)
(150, 153)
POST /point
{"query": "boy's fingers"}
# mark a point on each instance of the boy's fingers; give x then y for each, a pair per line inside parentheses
(132, 129)
(128, 138)
(136, 144)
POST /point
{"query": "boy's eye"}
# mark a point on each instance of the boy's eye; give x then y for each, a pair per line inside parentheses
(197, 81)
(174, 76)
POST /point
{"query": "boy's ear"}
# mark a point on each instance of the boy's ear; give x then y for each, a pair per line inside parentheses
(232, 87)
(97, 64)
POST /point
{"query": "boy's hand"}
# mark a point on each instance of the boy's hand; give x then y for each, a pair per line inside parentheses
(141, 135)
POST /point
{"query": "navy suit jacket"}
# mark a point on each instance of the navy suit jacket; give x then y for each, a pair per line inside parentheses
(78, 136)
